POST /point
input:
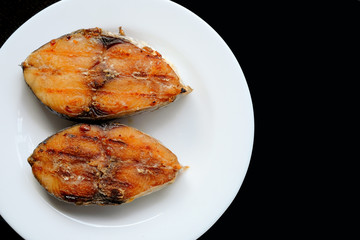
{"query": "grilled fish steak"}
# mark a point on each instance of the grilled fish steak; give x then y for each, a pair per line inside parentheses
(102, 164)
(92, 74)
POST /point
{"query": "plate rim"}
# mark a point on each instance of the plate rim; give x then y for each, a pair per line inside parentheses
(4, 46)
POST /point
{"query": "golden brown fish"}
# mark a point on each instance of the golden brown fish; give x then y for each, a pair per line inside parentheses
(92, 74)
(107, 164)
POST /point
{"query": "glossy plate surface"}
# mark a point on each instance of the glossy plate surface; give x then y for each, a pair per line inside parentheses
(210, 130)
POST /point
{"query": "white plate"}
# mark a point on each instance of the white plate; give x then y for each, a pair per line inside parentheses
(211, 130)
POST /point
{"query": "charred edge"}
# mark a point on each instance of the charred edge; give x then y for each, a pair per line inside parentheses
(116, 194)
(69, 135)
(31, 160)
(25, 65)
(108, 41)
(88, 33)
(78, 200)
(106, 200)
(111, 202)
(112, 192)
(93, 114)
(183, 90)
(85, 118)
(83, 128)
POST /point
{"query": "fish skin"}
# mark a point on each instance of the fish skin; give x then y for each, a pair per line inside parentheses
(93, 75)
(105, 164)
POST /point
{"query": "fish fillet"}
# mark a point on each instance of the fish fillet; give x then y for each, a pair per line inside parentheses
(102, 164)
(91, 74)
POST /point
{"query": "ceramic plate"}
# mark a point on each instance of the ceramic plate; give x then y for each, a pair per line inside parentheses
(210, 130)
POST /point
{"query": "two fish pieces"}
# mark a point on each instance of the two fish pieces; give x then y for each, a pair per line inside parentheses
(94, 75)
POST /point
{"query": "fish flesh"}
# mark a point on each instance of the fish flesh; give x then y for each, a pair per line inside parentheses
(104, 164)
(92, 74)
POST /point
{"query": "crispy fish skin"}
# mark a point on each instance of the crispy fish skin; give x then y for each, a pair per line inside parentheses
(92, 74)
(102, 164)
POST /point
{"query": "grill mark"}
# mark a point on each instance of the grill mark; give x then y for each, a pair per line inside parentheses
(119, 54)
(70, 54)
(80, 156)
(83, 137)
(64, 70)
(136, 76)
(100, 73)
(148, 95)
(65, 90)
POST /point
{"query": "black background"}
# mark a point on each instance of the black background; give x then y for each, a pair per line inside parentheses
(281, 50)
